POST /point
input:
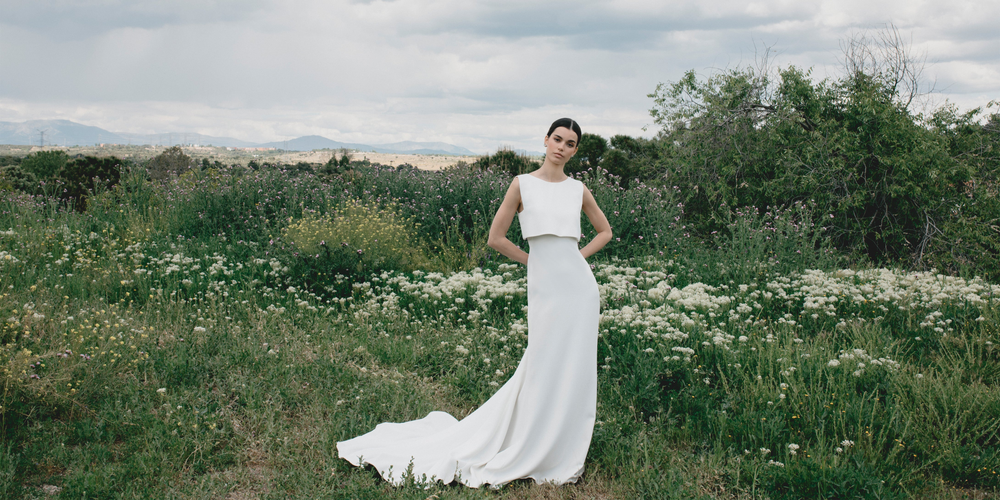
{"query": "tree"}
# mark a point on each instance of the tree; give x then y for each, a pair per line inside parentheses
(85, 177)
(173, 161)
(507, 160)
(753, 136)
(588, 155)
(14, 178)
(45, 164)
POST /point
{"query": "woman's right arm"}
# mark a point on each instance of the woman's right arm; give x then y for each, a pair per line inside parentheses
(501, 223)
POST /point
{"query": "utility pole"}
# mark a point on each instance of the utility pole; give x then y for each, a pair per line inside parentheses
(41, 140)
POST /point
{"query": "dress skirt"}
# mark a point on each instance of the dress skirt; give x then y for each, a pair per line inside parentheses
(539, 423)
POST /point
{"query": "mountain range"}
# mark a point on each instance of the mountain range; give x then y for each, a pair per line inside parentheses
(68, 133)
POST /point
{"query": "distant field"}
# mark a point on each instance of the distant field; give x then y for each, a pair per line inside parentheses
(425, 162)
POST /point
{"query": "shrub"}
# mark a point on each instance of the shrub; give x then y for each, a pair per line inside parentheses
(351, 241)
(14, 178)
(507, 160)
(173, 161)
(87, 176)
(45, 164)
(645, 220)
(756, 245)
(242, 204)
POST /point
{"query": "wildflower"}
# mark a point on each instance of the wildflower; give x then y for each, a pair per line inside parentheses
(199, 329)
(461, 350)
(162, 390)
(833, 363)
(793, 448)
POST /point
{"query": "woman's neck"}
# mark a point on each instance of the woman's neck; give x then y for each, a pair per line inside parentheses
(550, 172)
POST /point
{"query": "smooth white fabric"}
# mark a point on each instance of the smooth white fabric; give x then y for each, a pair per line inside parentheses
(550, 207)
(537, 425)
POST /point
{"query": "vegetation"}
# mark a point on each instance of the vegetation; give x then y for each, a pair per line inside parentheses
(771, 325)
(173, 161)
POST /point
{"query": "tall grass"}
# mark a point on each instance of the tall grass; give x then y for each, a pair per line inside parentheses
(168, 343)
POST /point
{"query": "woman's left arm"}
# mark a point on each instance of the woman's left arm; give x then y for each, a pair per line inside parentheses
(600, 223)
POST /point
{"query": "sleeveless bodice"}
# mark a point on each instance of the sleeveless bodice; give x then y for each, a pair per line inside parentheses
(550, 207)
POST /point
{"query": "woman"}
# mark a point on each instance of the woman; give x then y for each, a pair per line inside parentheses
(539, 424)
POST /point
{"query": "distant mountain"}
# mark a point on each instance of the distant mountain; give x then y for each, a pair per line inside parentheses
(414, 147)
(67, 133)
(311, 142)
(55, 132)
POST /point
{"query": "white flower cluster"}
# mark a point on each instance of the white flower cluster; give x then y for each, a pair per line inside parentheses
(7, 258)
(861, 359)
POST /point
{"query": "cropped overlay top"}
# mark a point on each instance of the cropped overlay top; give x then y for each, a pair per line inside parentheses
(550, 207)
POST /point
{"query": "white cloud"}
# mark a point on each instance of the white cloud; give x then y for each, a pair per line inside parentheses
(473, 73)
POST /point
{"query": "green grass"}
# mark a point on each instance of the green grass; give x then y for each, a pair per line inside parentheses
(140, 363)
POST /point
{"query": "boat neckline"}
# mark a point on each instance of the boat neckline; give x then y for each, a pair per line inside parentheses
(549, 182)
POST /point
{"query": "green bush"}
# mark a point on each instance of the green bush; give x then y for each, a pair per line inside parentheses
(85, 177)
(14, 178)
(172, 161)
(45, 164)
(506, 160)
(746, 137)
(351, 241)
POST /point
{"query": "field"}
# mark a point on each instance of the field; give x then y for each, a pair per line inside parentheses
(215, 335)
(229, 157)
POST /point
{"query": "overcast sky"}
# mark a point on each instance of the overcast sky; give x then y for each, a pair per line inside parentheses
(478, 74)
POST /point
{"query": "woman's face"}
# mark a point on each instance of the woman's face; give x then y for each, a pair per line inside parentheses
(561, 145)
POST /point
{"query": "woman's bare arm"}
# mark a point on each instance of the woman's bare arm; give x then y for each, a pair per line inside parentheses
(501, 223)
(599, 221)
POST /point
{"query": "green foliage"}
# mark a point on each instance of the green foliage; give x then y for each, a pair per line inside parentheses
(626, 158)
(645, 220)
(507, 160)
(350, 242)
(172, 161)
(755, 245)
(85, 177)
(248, 205)
(6, 160)
(45, 164)
(190, 286)
(14, 178)
(588, 155)
(746, 137)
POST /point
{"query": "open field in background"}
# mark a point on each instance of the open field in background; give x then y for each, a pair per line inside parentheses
(141, 153)
(215, 334)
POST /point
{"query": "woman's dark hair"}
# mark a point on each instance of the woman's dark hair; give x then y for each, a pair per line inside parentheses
(568, 123)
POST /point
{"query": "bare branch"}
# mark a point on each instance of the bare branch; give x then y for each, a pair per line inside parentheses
(886, 57)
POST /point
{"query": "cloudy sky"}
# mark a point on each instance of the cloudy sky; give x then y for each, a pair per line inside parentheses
(477, 74)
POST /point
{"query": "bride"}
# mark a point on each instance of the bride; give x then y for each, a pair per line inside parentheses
(539, 423)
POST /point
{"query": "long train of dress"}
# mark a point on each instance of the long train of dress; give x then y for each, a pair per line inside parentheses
(539, 423)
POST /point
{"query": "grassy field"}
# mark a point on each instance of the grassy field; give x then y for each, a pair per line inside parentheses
(177, 341)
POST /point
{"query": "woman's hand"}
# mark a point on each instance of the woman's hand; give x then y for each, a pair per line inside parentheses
(501, 223)
(598, 220)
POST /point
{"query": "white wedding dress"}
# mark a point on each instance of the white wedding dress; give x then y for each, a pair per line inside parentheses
(539, 424)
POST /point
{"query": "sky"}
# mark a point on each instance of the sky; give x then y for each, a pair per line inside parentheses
(477, 74)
